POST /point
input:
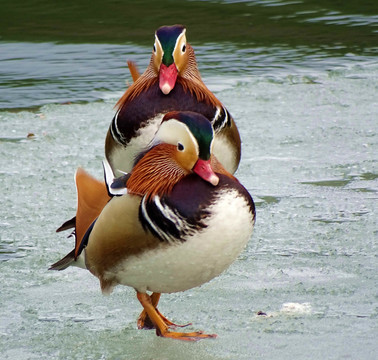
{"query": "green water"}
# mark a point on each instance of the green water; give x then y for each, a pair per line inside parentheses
(351, 25)
(299, 77)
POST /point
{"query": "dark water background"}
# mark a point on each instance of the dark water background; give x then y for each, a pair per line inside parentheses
(233, 38)
(301, 80)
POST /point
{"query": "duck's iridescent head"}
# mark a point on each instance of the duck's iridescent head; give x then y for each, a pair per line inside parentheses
(170, 55)
(193, 136)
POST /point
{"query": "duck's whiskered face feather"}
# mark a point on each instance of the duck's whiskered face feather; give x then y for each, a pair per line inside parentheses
(194, 140)
(182, 145)
(156, 172)
(194, 146)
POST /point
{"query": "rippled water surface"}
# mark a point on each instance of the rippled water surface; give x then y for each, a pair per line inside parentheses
(306, 285)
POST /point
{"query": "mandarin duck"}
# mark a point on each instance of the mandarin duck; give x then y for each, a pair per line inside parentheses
(171, 82)
(180, 220)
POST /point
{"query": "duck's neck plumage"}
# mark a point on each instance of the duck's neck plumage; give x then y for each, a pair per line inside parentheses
(156, 173)
(189, 78)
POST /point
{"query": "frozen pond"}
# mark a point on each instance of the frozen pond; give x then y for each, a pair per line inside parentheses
(309, 124)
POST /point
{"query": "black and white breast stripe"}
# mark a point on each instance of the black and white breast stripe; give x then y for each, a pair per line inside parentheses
(116, 133)
(115, 186)
(165, 222)
(222, 118)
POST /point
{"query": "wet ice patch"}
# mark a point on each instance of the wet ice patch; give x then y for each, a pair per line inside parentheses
(289, 308)
(296, 308)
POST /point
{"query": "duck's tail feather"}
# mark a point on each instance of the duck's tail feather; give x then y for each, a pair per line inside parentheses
(69, 260)
(64, 263)
(69, 224)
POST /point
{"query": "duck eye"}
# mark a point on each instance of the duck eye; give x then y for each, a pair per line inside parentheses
(180, 147)
(183, 48)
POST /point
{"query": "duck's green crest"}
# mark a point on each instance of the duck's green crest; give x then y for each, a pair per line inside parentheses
(167, 36)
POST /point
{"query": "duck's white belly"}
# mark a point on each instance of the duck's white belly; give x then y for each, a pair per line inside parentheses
(203, 256)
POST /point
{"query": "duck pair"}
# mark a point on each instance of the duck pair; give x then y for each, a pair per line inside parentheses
(178, 218)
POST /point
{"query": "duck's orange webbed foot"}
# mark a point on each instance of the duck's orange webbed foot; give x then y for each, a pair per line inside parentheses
(191, 336)
(144, 321)
(162, 329)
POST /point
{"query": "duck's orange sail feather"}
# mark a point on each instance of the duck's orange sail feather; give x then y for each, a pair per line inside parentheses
(92, 196)
(134, 71)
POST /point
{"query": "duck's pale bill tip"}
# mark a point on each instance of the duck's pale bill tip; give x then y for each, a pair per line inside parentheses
(214, 180)
(166, 89)
(203, 169)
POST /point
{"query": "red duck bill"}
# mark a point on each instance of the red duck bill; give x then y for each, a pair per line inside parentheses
(167, 78)
(203, 169)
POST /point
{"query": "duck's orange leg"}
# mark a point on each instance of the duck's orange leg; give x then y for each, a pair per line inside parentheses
(144, 322)
(162, 329)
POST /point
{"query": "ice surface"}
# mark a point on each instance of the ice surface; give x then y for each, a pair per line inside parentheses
(309, 159)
